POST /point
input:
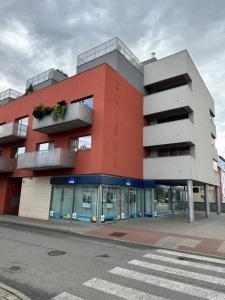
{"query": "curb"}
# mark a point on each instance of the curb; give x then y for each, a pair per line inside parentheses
(14, 292)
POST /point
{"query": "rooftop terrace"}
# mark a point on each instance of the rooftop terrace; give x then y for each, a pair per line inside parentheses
(107, 47)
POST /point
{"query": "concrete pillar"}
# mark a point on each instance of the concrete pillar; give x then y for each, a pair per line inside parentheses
(153, 202)
(218, 203)
(171, 200)
(206, 199)
(190, 201)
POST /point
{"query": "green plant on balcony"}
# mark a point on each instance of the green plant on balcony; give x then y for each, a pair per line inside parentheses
(59, 110)
(29, 90)
(41, 110)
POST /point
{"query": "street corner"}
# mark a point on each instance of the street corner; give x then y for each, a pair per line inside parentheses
(8, 293)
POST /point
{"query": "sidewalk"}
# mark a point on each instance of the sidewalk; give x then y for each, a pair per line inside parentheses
(7, 293)
(205, 236)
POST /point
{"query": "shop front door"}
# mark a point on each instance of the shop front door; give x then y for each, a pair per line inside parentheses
(62, 202)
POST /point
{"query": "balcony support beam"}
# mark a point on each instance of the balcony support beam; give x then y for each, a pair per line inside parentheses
(190, 201)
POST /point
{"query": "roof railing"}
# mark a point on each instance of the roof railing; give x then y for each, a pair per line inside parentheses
(8, 95)
(107, 47)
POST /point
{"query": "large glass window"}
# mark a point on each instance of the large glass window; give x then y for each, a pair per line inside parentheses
(111, 202)
(23, 121)
(85, 202)
(17, 151)
(22, 127)
(45, 146)
(81, 143)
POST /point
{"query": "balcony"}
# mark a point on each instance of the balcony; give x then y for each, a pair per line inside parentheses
(212, 128)
(174, 132)
(12, 132)
(8, 96)
(215, 153)
(6, 164)
(45, 79)
(77, 115)
(168, 168)
(172, 99)
(57, 158)
(168, 72)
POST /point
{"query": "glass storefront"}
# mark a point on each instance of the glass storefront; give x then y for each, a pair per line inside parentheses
(80, 202)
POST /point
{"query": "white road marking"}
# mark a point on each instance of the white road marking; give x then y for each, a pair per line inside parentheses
(221, 247)
(186, 263)
(66, 296)
(169, 284)
(178, 272)
(199, 257)
(120, 290)
(174, 242)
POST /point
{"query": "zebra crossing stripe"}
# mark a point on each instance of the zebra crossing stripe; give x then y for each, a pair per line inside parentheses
(120, 290)
(203, 258)
(66, 296)
(169, 284)
(178, 272)
(186, 263)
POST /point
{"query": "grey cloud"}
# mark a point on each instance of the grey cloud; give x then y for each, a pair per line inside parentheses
(37, 35)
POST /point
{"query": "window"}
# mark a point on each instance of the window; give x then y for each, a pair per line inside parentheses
(22, 127)
(81, 143)
(23, 121)
(17, 151)
(45, 146)
(89, 101)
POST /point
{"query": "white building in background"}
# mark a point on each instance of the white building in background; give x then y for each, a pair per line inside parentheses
(221, 166)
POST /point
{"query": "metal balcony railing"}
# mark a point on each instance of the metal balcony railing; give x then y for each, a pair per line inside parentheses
(6, 164)
(107, 47)
(50, 159)
(46, 75)
(8, 95)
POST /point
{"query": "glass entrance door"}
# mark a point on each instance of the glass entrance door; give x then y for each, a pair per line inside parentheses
(67, 202)
(55, 210)
(62, 202)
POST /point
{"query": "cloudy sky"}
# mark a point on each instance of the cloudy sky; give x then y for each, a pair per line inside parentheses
(39, 34)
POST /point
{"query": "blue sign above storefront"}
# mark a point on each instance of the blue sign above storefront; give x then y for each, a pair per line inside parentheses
(98, 179)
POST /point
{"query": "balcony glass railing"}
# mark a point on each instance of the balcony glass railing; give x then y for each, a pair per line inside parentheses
(50, 159)
(107, 47)
(13, 129)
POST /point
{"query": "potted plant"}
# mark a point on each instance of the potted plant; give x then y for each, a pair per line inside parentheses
(29, 90)
(39, 111)
(59, 110)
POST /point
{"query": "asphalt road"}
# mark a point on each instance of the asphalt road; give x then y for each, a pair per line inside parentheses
(92, 268)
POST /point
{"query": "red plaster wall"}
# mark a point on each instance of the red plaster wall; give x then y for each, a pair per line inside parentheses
(123, 128)
(116, 132)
